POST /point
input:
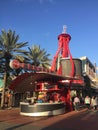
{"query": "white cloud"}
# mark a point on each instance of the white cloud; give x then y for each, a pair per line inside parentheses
(40, 1)
(48, 1)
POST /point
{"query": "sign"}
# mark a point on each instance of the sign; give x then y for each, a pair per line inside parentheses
(1, 83)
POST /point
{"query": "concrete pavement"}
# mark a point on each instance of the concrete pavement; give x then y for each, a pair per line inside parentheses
(82, 120)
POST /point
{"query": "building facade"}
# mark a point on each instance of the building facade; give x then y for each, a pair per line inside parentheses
(90, 76)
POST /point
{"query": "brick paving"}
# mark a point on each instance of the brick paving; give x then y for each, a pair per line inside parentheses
(82, 120)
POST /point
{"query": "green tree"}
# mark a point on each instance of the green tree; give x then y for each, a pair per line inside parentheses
(38, 56)
(10, 48)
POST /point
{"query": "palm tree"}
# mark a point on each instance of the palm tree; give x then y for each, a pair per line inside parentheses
(38, 56)
(9, 48)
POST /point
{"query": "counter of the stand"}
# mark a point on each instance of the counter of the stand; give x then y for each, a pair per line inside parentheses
(42, 109)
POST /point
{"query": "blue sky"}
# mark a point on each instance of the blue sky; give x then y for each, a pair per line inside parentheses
(41, 21)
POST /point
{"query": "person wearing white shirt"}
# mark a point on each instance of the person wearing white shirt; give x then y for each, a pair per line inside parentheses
(87, 101)
(76, 103)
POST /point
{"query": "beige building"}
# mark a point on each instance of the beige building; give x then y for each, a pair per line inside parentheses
(90, 75)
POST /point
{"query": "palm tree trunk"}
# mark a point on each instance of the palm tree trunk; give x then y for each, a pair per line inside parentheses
(3, 91)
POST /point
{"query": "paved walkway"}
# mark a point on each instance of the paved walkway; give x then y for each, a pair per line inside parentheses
(82, 120)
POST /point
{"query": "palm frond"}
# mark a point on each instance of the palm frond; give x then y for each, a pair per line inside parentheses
(39, 56)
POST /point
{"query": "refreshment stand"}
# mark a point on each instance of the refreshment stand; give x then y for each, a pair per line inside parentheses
(52, 86)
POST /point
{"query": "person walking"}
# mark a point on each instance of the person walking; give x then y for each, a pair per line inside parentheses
(76, 103)
(87, 101)
(94, 102)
